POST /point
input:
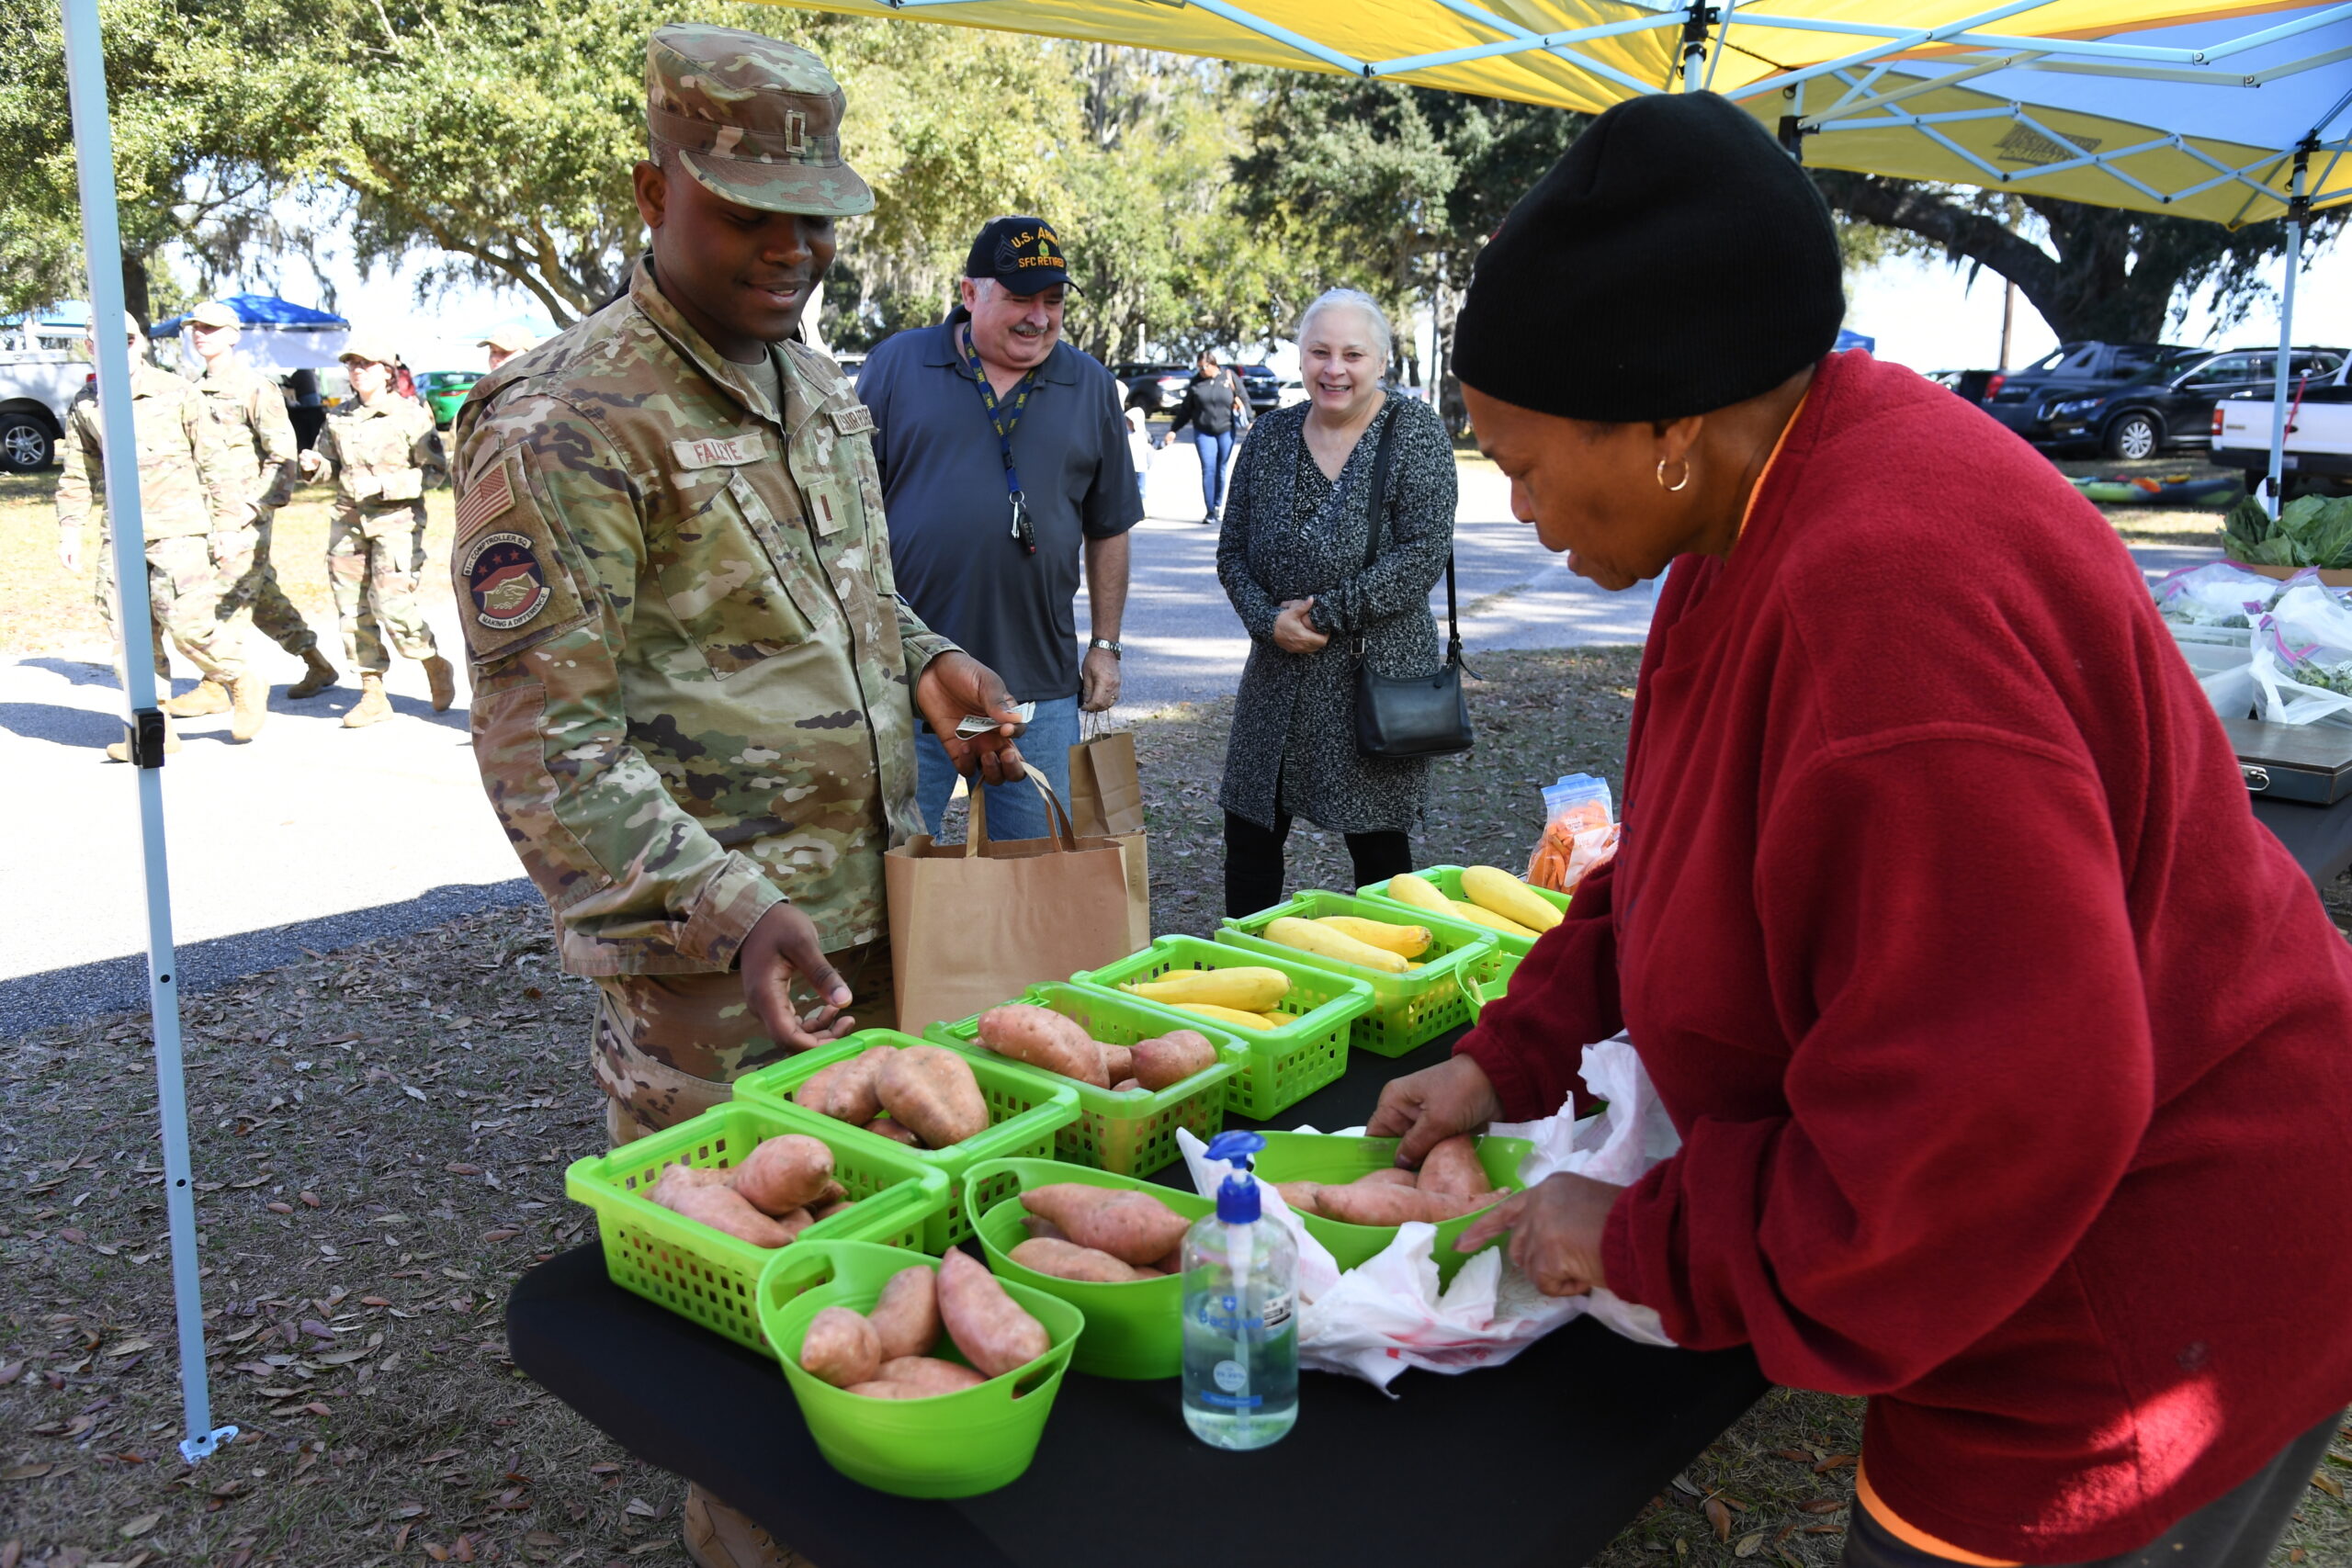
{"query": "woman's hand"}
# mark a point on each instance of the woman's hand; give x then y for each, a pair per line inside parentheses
(1424, 1109)
(1293, 633)
(1555, 1228)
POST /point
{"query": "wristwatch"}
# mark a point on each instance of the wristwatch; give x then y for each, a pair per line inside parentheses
(1116, 652)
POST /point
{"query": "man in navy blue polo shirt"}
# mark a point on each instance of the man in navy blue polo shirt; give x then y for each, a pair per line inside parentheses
(1004, 462)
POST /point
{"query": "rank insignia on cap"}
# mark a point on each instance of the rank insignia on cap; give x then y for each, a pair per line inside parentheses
(505, 581)
(488, 496)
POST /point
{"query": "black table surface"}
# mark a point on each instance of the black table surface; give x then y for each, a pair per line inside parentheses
(1540, 1461)
(2319, 837)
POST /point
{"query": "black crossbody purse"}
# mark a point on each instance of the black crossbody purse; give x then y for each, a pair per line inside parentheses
(1422, 716)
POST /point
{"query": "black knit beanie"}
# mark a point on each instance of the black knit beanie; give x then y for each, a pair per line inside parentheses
(1674, 261)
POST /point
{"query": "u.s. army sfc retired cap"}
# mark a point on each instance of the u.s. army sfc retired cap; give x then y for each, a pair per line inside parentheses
(756, 120)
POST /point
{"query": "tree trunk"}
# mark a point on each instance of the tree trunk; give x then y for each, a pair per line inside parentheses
(135, 297)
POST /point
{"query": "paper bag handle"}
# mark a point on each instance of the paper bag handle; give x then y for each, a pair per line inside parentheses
(1056, 818)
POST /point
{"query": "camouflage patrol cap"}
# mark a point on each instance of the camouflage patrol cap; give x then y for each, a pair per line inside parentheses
(213, 314)
(755, 120)
(373, 348)
(509, 339)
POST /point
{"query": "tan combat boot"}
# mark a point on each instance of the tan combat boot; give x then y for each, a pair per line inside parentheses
(120, 750)
(374, 706)
(209, 696)
(443, 681)
(717, 1535)
(250, 698)
(320, 677)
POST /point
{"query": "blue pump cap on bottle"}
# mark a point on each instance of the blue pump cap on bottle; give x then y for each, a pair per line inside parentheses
(1236, 1196)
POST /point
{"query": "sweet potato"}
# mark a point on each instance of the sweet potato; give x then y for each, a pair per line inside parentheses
(1169, 1262)
(1038, 1226)
(844, 1091)
(907, 1314)
(1390, 1177)
(1451, 1167)
(1383, 1203)
(931, 1089)
(992, 1328)
(693, 1194)
(795, 1221)
(834, 1193)
(932, 1374)
(897, 1133)
(842, 1348)
(1044, 1038)
(1172, 1058)
(1068, 1260)
(1125, 1084)
(1118, 1061)
(1133, 1227)
(827, 1211)
(784, 1173)
(1303, 1197)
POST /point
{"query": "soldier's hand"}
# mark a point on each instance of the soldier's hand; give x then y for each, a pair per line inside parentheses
(313, 465)
(781, 944)
(69, 549)
(954, 685)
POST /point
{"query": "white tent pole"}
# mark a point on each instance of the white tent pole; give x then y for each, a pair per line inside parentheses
(2295, 211)
(102, 250)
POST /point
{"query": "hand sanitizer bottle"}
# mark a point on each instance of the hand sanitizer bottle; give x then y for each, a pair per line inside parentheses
(1240, 1313)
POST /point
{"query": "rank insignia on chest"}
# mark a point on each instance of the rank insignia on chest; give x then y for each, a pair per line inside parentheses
(505, 581)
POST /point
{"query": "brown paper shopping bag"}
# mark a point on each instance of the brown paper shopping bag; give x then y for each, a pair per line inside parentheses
(977, 923)
(1106, 801)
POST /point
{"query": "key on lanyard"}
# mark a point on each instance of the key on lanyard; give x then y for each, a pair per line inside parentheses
(1021, 528)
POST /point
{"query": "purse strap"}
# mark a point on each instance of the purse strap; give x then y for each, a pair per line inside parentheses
(1376, 510)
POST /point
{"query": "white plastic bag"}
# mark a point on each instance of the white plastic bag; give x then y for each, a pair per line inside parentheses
(2218, 593)
(2302, 658)
(1374, 1321)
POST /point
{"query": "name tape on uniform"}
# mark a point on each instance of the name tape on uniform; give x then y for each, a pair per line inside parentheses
(854, 420)
(714, 451)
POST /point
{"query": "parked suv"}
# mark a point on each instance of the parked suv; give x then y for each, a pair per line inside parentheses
(37, 388)
(2023, 400)
(2142, 419)
(1173, 378)
(1262, 386)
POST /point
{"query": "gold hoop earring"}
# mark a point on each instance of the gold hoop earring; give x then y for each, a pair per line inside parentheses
(1677, 484)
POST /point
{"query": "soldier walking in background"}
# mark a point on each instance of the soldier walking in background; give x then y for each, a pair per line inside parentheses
(192, 502)
(695, 685)
(505, 343)
(383, 450)
(251, 411)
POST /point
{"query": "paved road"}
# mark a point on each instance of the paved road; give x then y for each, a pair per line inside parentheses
(316, 837)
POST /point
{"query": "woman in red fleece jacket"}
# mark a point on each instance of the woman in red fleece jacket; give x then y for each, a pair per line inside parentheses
(2006, 1048)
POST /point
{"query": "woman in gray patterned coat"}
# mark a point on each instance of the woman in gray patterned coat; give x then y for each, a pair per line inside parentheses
(1292, 559)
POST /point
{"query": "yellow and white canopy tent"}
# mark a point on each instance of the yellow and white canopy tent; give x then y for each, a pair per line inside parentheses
(2232, 111)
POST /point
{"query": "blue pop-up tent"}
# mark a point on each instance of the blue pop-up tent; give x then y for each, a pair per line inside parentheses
(268, 310)
(277, 334)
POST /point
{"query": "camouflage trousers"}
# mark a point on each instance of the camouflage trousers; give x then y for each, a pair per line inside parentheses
(664, 1047)
(183, 599)
(373, 561)
(248, 580)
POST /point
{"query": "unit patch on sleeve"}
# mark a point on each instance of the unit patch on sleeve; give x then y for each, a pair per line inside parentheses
(506, 580)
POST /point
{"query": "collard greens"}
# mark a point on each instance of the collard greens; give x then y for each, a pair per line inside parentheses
(2310, 531)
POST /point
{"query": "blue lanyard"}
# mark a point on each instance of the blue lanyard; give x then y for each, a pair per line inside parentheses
(1005, 418)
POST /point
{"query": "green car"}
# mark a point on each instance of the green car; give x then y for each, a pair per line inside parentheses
(444, 392)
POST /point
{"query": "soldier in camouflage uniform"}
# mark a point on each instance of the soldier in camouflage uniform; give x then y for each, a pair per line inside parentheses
(191, 502)
(384, 451)
(694, 686)
(253, 417)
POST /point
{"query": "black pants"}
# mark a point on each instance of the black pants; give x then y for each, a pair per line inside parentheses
(2237, 1530)
(1253, 861)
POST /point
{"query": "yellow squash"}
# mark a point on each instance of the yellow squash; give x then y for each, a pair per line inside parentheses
(1506, 895)
(1460, 909)
(1409, 942)
(1233, 1018)
(1325, 943)
(1407, 888)
(1244, 988)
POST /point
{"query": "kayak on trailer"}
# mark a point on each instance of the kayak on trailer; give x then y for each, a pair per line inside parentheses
(2175, 491)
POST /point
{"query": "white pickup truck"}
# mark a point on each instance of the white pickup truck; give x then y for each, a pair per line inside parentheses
(37, 385)
(2318, 434)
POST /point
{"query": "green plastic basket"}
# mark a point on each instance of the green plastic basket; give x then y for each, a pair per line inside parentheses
(1134, 1330)
(1132, 1133)
(1285, 1065)
(951, 1445)
(1314, 1157)
(1027, 1107)
(1447, 879)
(1408, 1011)
(708, 1276)
(1489, 982)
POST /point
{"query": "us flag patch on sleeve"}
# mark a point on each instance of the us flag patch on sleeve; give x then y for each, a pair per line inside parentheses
(487, 497)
